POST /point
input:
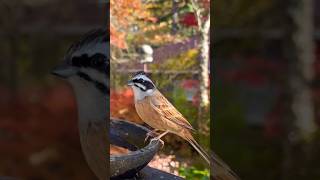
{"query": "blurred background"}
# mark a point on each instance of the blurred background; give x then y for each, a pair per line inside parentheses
(170, 41)
(266, 92)
(38, 117)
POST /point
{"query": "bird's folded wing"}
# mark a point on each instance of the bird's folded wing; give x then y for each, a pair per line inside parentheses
(168, 111)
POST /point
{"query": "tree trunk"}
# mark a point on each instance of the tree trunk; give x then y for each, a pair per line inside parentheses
(299, 52)
(204, 77)
(204, 64)
(204, 29)
(175, 17)
(302, 67)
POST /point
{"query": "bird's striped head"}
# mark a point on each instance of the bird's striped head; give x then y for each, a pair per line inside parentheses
(142, 85)
(87, 61)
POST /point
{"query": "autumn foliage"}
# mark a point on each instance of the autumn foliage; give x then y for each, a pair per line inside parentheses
(122, 105)
(124, 14)
(189, 19)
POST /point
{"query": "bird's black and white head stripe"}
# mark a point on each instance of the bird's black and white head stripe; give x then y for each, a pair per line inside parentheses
(90, 57)
(141, 81)
(97, 61)
(91, 51)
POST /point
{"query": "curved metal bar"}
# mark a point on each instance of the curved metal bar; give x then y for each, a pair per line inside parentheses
(123, 133)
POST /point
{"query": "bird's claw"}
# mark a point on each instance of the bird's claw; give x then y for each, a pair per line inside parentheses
(151, 133)
(157, 139)
(145, 139)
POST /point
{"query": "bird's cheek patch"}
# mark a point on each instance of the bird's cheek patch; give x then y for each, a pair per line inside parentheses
(140, 86)
(149, 91)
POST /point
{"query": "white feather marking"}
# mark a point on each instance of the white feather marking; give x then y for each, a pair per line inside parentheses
(149, 91)
(139, 94)
(141, 86)
(95, 75)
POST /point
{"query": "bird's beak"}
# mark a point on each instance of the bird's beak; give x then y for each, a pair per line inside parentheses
(130, 83)
(64, 70)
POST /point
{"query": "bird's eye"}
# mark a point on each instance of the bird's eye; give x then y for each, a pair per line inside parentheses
(94, 62)
(85, 60)
(76, 61)
(98, 60)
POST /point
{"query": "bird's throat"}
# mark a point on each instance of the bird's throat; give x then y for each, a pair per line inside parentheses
(93, 118)
(92, 104)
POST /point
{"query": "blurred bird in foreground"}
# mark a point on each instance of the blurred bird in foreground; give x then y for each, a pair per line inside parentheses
(155, 110)
(86, 68)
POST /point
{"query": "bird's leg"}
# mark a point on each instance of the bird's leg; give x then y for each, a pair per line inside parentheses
(151, 133)
(159, 137)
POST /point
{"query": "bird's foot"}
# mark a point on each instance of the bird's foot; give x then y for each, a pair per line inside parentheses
(151, 134)
(158, 139)
(160, 136)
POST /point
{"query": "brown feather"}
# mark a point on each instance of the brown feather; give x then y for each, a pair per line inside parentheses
(168, 111)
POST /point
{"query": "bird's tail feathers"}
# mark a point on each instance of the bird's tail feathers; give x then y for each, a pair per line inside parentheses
(219, 169)
(197, 147)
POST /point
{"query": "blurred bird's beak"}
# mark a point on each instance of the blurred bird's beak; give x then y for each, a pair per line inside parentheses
(64, 71)
(130, 83)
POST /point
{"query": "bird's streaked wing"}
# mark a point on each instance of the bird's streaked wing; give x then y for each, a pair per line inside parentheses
(168, 111)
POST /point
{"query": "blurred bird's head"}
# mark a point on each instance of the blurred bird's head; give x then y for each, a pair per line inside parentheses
(86, 63)
(142, 85)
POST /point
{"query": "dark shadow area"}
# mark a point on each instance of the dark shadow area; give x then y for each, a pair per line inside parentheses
(38, 116)
(266, 117)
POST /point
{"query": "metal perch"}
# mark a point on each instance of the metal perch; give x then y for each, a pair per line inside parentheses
(131, 136)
